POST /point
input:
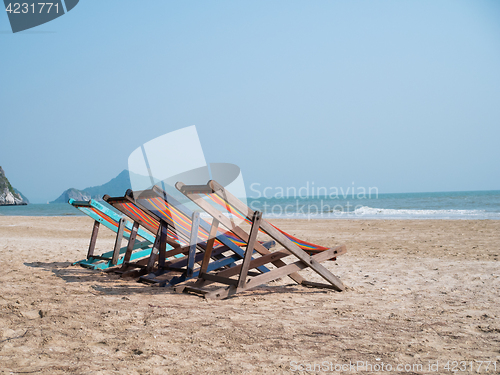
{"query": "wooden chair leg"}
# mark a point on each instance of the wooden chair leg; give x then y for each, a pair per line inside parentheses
(154, 252)
(163, 245)
(192, 244)
(131, 243)
(210, 246)
(93, 239)
(118, 242)
(257, 217)
(159, 246)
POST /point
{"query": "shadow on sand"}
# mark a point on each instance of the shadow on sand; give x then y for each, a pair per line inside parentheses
(105, 283)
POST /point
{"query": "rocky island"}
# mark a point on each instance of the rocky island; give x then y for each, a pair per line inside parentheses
(116, 187)
(8, 195)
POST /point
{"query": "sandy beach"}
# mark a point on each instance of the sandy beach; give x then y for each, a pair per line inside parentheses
(418, 293)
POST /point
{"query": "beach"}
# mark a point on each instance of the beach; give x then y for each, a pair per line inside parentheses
(419, 293)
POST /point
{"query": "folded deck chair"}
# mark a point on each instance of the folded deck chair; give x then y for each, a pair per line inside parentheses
(184, 230)
(117, 223)
(308, 254)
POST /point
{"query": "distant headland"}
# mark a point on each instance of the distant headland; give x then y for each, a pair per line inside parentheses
(10, 196)
(116, 187)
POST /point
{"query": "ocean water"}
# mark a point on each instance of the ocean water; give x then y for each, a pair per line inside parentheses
(469, 205)
(33, 209)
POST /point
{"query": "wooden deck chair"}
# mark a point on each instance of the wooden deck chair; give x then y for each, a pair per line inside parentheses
(183, 230)
(118, 224)
(308, 254)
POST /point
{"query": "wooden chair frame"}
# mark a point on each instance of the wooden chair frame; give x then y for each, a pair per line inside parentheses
(243, 282)
(123, 229)
(159, 254)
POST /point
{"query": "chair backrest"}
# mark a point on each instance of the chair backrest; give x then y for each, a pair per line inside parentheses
(233, 205)
(145, 219)
(219, 200)
(228, 203)
(163, 204)
(148, 207)
(107, 217)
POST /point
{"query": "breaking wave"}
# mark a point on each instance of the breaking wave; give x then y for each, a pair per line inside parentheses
(366, 211)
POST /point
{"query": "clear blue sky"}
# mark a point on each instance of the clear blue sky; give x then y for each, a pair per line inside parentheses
(401, 95)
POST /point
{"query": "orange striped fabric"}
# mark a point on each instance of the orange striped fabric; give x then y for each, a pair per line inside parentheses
(304, 245)
(172, 215)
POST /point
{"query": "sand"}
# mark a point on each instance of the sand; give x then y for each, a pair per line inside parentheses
(418, 293)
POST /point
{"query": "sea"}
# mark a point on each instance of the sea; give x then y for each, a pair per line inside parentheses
(463, 205)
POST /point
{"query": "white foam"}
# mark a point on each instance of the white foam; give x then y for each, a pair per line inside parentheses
(405, 213)
(366, 212)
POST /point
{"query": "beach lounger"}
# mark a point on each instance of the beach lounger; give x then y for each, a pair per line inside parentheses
(117, 223)
(184, 230)
(306, 254)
